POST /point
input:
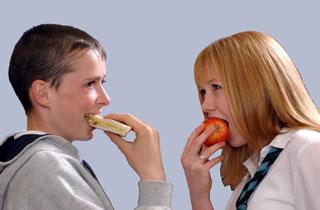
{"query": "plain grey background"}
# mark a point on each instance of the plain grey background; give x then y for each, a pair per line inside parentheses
(151, 48)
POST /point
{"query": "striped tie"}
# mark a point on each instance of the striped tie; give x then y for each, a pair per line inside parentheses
(253, 182)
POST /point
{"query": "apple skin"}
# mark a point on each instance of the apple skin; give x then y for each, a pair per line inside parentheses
(221, 132)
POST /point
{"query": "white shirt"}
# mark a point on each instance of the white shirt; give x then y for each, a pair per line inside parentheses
(293, 181)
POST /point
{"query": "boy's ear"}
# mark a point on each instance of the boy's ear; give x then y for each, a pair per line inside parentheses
(39, 93)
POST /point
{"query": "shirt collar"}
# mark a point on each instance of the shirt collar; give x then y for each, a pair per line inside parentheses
(280, 141)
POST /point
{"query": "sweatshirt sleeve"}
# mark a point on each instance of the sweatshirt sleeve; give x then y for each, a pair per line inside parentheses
(154, 195)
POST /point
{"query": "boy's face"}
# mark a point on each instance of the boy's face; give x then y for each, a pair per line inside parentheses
(80, 92)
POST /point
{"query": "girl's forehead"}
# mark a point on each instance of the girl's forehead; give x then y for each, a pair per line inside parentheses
(206, 74)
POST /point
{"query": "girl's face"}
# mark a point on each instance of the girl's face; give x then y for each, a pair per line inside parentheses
(80, 92)
(215, 104)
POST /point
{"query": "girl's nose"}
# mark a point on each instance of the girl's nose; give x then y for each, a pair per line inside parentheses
(208, 104)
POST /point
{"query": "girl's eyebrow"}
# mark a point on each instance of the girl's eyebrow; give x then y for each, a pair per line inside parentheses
(199, 86)
(213, 80)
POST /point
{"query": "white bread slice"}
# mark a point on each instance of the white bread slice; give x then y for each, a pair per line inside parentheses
(108, 124)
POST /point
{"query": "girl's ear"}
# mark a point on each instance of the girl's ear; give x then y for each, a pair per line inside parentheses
(39, 93)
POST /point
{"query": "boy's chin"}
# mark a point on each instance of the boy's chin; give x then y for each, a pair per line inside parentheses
(86, 137)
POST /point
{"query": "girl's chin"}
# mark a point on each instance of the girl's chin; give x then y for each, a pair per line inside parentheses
(236, 144)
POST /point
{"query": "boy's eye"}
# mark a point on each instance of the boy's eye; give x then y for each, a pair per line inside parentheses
(90, 84)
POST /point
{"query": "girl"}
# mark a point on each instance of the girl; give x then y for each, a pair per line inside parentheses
(270, 160)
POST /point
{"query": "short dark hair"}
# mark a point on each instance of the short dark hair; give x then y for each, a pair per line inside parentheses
(43, 53)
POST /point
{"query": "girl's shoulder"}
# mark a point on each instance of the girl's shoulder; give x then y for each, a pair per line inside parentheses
(301, 140)
(305, 136)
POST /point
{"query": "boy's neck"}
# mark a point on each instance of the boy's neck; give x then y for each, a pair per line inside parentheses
(37, 123)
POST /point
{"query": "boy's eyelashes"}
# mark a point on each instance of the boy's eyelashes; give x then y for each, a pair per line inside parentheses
(92, 83)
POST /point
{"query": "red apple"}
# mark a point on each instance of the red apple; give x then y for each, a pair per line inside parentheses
(220, 133)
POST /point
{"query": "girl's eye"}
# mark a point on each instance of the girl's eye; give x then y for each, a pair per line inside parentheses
(202, 92)
(103, 81)
(216, 87)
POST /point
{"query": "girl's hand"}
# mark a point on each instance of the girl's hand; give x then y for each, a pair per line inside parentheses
(196, 165)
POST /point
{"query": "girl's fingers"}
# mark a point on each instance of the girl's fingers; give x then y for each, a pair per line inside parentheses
(192, 137)
(214, 161)
(209, 151)
(196, 145)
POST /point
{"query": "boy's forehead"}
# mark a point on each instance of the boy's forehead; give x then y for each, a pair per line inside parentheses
(84, 57)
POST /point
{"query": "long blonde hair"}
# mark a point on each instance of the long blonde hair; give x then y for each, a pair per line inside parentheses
(265, 93)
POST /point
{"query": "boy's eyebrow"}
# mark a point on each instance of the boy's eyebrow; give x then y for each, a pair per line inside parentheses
(95, 78)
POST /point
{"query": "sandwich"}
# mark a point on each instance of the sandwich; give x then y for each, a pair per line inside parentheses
(110, 125)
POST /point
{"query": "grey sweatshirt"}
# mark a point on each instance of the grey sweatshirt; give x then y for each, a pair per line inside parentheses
(48, 174)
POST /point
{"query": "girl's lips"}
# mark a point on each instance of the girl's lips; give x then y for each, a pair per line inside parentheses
(211, 116)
